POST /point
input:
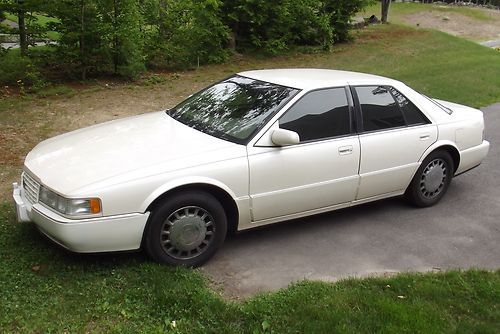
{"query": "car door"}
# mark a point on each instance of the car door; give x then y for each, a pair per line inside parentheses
(393, 136)
(319, 172)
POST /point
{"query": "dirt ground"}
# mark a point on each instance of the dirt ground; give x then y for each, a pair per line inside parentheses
(458, 24)
(25, 123)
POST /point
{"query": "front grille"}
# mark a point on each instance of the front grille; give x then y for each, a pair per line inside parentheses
(31, 188)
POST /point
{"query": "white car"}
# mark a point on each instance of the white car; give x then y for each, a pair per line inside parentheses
(256, 148)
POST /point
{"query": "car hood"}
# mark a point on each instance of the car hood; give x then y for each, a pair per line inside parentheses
(133, 145)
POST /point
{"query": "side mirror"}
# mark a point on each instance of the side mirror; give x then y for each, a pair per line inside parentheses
(282, 137)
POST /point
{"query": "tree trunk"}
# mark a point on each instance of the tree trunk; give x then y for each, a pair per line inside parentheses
(385, 10)
(115, 37)
(23, 39)
(163, 12)
(82, 40)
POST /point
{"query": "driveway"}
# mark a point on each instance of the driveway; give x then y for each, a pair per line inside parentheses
(380, 238)
(491, 44)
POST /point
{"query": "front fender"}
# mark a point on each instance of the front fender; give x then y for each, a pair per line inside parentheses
(185, 181)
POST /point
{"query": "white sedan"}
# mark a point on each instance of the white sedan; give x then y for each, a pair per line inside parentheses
(256, 148)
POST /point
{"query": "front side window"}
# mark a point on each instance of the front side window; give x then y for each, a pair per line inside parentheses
(379, 109)
(233, 109)
(319, 114)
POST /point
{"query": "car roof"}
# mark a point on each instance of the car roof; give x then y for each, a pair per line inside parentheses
(312, 78)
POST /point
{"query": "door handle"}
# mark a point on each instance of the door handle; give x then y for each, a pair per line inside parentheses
(345, 150)
(424, 136)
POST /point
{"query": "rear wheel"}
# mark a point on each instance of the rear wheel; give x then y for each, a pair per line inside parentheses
(432, 179)
(186, 229)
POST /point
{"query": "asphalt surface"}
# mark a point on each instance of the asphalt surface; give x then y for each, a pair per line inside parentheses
(379, 238)
(491, 44)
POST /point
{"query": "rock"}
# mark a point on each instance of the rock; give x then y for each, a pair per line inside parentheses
(372, 20)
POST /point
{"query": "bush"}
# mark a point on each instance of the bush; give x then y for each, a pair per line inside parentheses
(19, 71)
(99, 36)
(277, 25)
(340, 13)
(189, 33)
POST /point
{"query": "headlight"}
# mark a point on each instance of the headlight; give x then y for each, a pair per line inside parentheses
(70, 206)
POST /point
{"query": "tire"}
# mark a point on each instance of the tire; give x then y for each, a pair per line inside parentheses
(186, 230)
(432, 179)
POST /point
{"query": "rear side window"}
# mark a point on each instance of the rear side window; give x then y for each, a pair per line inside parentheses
(318, 115)
(411, 113)
(379, 109)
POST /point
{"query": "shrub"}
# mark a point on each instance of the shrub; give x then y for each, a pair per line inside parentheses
(19, 71)
(279, 24)
(189, 33)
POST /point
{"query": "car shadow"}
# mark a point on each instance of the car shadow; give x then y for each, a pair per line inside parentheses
(318, 222)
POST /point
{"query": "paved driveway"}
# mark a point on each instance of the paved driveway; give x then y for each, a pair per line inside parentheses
(462, 231)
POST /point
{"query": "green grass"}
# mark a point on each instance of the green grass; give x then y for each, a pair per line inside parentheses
(45, 289)
(397, 10)
(10, 16)
(435, 63)
(42, 20)
(430, 61)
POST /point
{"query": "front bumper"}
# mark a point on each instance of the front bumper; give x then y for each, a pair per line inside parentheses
(103, 234)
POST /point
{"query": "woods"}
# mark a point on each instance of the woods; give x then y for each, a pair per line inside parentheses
(88, 38)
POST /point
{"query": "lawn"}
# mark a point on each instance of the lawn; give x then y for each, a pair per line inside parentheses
(39, 19)
(45, 289)
(397, 10)
(476, 24)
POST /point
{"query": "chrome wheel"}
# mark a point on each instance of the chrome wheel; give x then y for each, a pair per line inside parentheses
(187, 232)
(433, 178)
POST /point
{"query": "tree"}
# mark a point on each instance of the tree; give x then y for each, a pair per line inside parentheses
(385, 10)
(184, 33)
(122, 35)
(26, 22)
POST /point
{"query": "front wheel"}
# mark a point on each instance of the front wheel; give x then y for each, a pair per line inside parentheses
(432, 179)
(186, 229)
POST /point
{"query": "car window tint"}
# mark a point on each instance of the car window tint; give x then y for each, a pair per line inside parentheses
(379, 108)
(319, 114)
(412, 114)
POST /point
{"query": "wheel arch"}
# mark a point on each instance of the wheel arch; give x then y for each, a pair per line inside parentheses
(447, 146)
(221, 194)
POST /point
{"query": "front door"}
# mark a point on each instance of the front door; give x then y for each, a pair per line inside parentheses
(319, 172)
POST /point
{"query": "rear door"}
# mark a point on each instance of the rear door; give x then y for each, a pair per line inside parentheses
(394, 134)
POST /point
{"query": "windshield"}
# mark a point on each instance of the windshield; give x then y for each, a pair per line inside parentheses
(233, 109)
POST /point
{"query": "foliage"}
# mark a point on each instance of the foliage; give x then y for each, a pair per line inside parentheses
(28, 27)
(122, 37)
(79, 50)
(19, 71)
(277, 25)
(341, 12)
(187, 33)
(99, 36)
